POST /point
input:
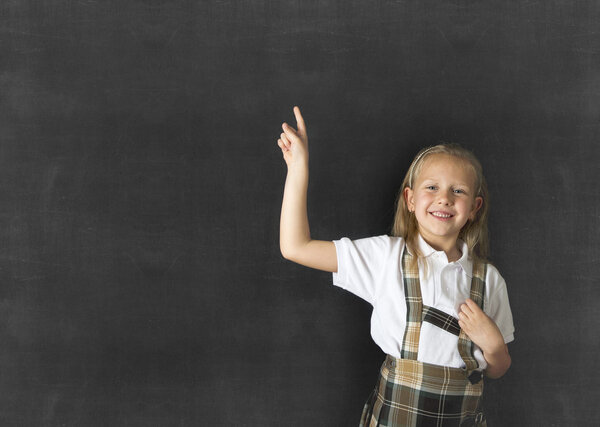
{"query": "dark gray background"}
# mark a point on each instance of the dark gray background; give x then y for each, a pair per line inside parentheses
(141, 282)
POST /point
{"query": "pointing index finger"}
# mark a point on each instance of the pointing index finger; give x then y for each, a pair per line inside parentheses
(299, 120)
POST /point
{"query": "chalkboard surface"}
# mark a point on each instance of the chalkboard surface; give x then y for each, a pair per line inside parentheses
(140, 188)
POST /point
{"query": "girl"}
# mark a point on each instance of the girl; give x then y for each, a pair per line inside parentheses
(440, 312)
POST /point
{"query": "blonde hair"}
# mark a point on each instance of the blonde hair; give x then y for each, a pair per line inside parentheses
(474, 233)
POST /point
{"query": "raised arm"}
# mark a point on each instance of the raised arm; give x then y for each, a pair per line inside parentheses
(294, 232)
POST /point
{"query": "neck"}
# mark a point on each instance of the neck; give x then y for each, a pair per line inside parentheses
(455, 256)
(449, 247)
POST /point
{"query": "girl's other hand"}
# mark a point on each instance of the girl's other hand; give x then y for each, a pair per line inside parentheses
(483, 331)
(294, 143)
(480, 328)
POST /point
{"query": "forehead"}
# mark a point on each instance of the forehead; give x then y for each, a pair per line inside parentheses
(444, 166)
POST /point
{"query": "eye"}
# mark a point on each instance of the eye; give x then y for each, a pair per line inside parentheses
(459, 191)
(431, 187)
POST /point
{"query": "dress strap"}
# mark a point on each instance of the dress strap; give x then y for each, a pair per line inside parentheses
(465, 345)
(441, 319)
(414, 308)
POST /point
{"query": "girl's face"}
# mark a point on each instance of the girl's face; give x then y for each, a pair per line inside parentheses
(443, 199)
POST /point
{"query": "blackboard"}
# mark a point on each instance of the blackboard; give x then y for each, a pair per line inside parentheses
(140, 188)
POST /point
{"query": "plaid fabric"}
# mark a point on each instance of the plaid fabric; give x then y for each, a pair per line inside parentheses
(411, 393)
(414, 308)
(415, 394)
(441, 319)
(415, 312)
(465, 345)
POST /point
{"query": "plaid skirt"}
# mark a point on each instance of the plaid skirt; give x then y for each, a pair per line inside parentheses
(411, 393)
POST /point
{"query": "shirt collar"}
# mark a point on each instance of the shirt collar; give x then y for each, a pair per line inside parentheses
(464, 261)
(424, 247)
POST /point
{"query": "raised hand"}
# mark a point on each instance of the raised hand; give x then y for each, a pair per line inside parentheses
(294, 143)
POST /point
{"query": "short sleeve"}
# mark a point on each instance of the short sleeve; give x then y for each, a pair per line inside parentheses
(499, 306)
(361, 264)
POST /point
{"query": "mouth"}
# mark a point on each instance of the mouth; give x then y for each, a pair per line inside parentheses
(441, 215)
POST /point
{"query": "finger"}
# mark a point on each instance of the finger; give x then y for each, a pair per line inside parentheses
(464, 308)
(285, 140)
(300, 121)
(282, 145)
(475, 310)
(290, 131)
(472, 305)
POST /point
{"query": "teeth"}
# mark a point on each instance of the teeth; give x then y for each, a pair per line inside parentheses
(441, 215)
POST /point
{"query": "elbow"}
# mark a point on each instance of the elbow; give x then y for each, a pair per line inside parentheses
(286, 252)
(292, 251)
(507, 366)
(498, 371)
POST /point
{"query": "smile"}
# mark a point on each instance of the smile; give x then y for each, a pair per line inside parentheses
(441, 214)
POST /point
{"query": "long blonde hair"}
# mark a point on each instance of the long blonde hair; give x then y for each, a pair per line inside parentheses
(474, 233)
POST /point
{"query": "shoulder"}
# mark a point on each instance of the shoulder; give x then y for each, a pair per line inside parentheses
(382, 242)
(492, 273)
(374, 250)
(495, 283)
(364, 263)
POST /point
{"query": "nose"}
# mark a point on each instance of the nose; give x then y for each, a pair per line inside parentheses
(445, 198)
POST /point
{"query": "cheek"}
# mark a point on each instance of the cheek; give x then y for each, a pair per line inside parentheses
(468, 206)
(423, 200)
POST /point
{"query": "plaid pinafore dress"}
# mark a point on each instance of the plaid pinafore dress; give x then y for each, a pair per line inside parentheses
(410, 393)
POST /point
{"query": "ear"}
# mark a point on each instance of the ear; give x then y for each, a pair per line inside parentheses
(409, 199)
(477, 204)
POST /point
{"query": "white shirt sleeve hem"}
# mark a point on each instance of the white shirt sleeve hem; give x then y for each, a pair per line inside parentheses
(338, 279)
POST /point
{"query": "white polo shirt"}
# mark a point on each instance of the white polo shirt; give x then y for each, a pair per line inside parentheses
(371, 268)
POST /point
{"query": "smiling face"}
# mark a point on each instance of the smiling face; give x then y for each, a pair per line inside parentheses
(443, 199)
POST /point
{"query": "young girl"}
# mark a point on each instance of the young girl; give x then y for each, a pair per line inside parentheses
(440, 312)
